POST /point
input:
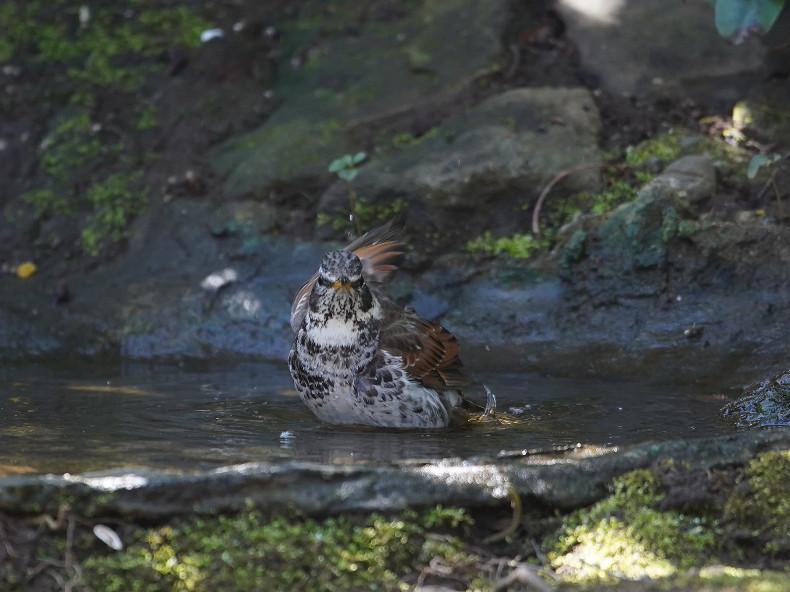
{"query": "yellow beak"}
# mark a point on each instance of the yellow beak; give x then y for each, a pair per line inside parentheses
(341, 284)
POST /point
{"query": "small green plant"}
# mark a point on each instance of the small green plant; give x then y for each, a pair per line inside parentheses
(47, 202)
(519, 246)
(73, 148)
(88, 50)
(345, 167)
(116, 200)
(627, 535)
(362, 214)
(252, 552)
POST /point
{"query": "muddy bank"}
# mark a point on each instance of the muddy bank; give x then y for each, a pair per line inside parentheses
(629, 264)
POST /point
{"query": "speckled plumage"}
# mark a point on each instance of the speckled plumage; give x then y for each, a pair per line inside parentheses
(357, 358)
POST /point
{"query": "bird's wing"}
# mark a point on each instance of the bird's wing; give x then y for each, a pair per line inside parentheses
(378, 252)
(429, 351)
(430, 355)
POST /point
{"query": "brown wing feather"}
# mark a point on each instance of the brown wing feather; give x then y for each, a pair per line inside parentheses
(429, 351)
(378, 253)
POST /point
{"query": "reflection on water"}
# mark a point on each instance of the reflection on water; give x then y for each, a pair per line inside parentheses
(72, 419)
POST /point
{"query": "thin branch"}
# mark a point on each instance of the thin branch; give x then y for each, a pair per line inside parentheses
(523, 574)
(543, 194)
(515, 520)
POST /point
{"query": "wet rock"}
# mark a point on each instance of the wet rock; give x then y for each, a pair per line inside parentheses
(624, 45)
(486, 167)
(563, 480)
(331, 80)
(764, 404)
(197, 281)
(652, 284)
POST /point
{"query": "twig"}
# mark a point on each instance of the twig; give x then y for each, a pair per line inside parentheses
(543, 194)
(778, 194)
(771, 184)
(515, 520)
(523, 574)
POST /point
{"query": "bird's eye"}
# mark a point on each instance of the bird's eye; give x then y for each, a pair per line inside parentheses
(323, 281)
(357, 283)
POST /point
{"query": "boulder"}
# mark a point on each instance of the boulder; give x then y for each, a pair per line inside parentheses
(338, 70)
(486, 166)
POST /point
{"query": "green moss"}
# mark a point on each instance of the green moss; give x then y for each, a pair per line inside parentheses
(519, 246)
(73, 148)
(147, 118)
(661, 149)
(762, 503)
(92, 45)
(87, 51)
(627, 536)
(361, 214)
(574, 248)
(669, 223)
(251, 552)
(116, 200)
(47, 202)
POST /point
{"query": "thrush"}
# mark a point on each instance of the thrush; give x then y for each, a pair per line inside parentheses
(358, 358)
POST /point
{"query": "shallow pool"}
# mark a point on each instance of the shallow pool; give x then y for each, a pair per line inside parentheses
(73, 418)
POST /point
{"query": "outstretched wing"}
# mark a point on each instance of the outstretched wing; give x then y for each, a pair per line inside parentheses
(430, 356)
(429, 351)
(379, 252)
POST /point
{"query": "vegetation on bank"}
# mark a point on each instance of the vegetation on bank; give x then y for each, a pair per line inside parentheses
(668, 527)
(623, 174)
(97, 58)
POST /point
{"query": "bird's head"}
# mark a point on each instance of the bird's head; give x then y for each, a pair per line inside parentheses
(340, 270)
(340, 291)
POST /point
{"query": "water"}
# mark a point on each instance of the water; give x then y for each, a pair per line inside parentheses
(76, 418)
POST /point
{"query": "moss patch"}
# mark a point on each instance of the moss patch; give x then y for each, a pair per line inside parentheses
(518, 246)
(761, 502)
(669, 528)
(87, 161)
(251, 552)
(628, 536)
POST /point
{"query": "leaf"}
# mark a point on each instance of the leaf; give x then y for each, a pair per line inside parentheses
(759, 160)
(347, 174)
(737, 19)
(108, 536)
(338, 164)
(25, 270)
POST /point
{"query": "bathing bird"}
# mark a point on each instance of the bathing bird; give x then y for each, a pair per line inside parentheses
(358, 358)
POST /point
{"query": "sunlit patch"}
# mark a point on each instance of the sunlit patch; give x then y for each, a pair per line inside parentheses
(219, 279)
(111, 482)
(109, 389)
(604, 12)
(16, 469)
(613, 550)
(714, 571)
(487, 476)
